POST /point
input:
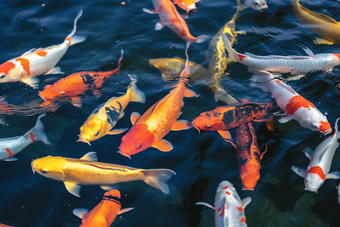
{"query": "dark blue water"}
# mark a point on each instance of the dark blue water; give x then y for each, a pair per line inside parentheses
(201, 161)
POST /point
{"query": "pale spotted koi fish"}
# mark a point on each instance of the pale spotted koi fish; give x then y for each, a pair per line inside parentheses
(11, 146)
(229, 208)
(320, 162)
(39, 61)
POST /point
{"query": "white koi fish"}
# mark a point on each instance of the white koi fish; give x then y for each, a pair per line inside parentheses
(12, 146)
(39, 61)
(320, 162)
(228, 206)
(254, 4)
(294, 105)
(295, 65)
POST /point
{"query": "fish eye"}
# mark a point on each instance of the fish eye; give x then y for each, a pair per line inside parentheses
(63, 93)
(2, 76)
(182, 3)
(139, 146)
(256, 3)
(208, 126)
(43, 171)
(96, 134)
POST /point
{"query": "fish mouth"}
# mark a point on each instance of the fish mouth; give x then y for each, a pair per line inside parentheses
(83, 141)
(122, 153)
(191, 7)
(326, 132)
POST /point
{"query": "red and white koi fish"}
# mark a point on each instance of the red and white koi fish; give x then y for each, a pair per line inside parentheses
(186, 5)
(229, 208)
(170, 17)
(11, 146)
(320, 162)
(39, 61)
(150, 128)
(295, 65)
(294, 105)
(104, 213)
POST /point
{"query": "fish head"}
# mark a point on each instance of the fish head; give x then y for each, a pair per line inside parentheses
(250, 174)
(9, 72)
(209, 121)
(256, 4)
(93, 129)
(136, 140)
(314, 120)
(225, 185)
(50, 167)
(313, 182)
(112, 193)
(186, 5)
(51, 92)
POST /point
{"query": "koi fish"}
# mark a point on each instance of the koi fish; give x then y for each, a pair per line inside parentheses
(186, 5)
(70, 87)
(321, 24)
(105, 116)
(229, 208)
(12, 146)
(249, 156)
(3, 225)
(39, 61)
(227, 117)
(294, 105)
(87, 171)
(320, 162)
(295, 65)
(150, 128)
(170, 17)
(254, 4)
(104, 213)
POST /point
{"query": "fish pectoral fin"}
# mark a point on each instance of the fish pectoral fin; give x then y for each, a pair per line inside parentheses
(225, 134)
(122, 211)
(11, 159)
(111, 187)
(76, 101)
(80, 212)
(151, 11)
(159, 25)
(121, 115)
(55, 70)
(285, 119)
(245, 202)
(270, 124)
(299, 171)
(134, 117)
(333, 175)
(73, 188)
(241, 32)
(189, 93)
(117, 131)
(308, 152)
(181, 125)
(205, 204)
(184, 16)
(31, 81)
(90, 156)
(163, 145)
(318, 40)
(328, 18)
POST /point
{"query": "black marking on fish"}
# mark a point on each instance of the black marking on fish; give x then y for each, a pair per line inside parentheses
(112, 198)
(208, 115)
(217, 114)
(113, 113)
(228, 117)
(87, 79)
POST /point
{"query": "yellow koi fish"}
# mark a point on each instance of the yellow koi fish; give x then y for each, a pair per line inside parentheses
(87, 171)
(321, 24)
(106, 115)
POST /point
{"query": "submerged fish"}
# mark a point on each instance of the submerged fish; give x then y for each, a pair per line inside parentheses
(170, 17)
(12, 146)
(105, 116)
(186, 5)
(320, 162)
(254, 4)
(295, 65)
(70, 87)
(294, 105)
(87, 171)
(149, 129)
(229, 208)
(39, 61)
(321, 24)
(104, 213)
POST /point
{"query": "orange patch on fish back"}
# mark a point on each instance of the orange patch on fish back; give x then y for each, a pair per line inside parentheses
(41, 53)
(32, 137)
(10, 154)
(240, 209)
(337, 55)
(160, 9)
(243, 219)
(317, 170)
(296, 102)
(241, 56)
(25, 65)
(6, 67)
(225, 187)
(228, 193)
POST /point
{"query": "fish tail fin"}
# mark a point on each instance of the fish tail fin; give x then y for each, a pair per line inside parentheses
(136, 94)
(232, 54)
(71, 38)
(37, 132)
(260, 78)
(186, 70)
(201, 38)
(157, 178)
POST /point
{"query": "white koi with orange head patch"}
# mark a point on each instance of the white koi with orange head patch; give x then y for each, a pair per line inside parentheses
(39, 61)
(229, 208)
(320, 162)
(294, 105)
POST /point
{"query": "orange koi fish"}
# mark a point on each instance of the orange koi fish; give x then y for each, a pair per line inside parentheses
(148, 130)
(70, 87)
(104, 213)
(249, 156)
(186, 5)
(3, 225)
(39, 61)
(170, 17)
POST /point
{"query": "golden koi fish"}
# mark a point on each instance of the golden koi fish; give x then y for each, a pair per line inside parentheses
(106, 115)
(87, 171)
(321, 24)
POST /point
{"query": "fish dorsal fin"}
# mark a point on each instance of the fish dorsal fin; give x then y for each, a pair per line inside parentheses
(98, 165)
(122, 211)
(80, 212)
(324, 151)
(29, 52)
(328, 18)
(91, 156)
(320, 15)
(134, 117)
(245, 202)
(160, 102)
(73, 188)
(276, 56)
(289, 88)
(205, 204)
